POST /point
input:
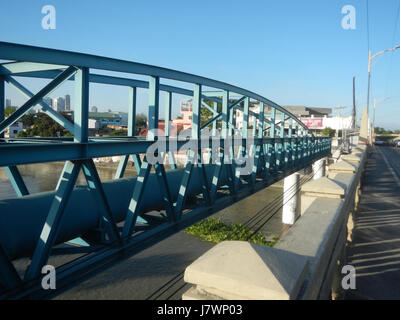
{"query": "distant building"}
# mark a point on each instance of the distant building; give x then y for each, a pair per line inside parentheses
(67, 99)
(317, 119)
(161, 129)
(59, 104)
(105, 118)
(94, 109)
(186, 111)
(8, 103)
(94, 124)
(13, 129)
(308, 112)
(124, 117)
(48, 101)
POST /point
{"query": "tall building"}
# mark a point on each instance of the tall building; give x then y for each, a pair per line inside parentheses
(48, 101)
(8, 103)
(67, 99)
(94, 109)
(59, 104)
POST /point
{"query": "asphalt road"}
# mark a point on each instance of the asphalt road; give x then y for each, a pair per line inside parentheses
(375, 249)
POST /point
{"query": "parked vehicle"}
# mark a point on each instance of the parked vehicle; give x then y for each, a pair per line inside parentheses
(396, 143)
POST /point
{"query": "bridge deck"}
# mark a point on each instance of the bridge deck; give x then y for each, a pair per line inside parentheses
(375, 250)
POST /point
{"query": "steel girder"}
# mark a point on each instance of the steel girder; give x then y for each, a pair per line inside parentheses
(276, 150)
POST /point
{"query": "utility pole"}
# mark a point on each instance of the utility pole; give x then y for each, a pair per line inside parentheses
(370, 57)
(339, 114)
(353, 125)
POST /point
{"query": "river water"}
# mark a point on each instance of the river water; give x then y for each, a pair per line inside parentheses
(44, 177)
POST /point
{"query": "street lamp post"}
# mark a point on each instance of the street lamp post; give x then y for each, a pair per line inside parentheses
(370, 57)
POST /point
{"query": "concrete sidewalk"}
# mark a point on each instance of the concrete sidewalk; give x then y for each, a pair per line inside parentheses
(375, 249)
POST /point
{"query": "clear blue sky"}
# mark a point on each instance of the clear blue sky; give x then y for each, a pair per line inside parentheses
(292, 52)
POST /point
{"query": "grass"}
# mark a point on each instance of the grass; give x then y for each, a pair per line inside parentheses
(214, 230)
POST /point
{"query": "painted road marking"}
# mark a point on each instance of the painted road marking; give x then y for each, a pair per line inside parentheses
(390, 167)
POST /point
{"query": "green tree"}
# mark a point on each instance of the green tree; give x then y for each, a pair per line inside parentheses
(206, 114)
(328, 132)
(118, 133)
(9, 110)
(43, 126)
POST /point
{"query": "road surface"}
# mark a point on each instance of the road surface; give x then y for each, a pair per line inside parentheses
(375, 249)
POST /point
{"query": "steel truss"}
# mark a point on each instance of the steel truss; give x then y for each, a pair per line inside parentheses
(278, 143)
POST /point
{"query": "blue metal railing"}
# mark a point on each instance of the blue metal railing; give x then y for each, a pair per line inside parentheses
(276, 144)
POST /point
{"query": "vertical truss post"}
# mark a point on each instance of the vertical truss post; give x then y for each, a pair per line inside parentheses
(279, 145)
(305, 145)
(289, 149)
(196, 108)
(243, 151)
(296, 145)
(154, 97)
(254, 126)
(221, 152)
(214, 124)
(132, 124)
(227, 137)
(131, 133)
(261, 126)
(16, 181)
(271, 164)
(132, 112)
(52, 224)
(196, 134)
(258, 147)
(168, 112)
(301, 145)
(81, 112)
(2, 102)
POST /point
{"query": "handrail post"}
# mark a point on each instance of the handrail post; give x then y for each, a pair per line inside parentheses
(2, 102)
(81, 114)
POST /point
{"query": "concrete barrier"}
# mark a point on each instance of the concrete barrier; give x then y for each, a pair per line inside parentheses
(305, 263)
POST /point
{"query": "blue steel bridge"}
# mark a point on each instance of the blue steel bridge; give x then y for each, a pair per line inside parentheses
(122, 217)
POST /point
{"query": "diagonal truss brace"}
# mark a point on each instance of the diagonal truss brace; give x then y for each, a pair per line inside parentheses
(53, 222)
(68, 125)
(16, 180)
(37, 98)
(137, 196)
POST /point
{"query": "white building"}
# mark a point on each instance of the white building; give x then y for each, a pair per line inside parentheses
(59, 104)
(13, 130)
(94, 124)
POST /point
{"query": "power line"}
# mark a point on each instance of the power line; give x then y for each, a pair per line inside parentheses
(368, 26)
(393, 41)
